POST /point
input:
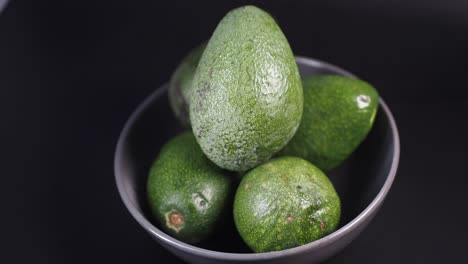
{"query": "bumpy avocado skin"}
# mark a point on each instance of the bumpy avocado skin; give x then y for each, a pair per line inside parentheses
(180, 85)
(284, 203)
(183, 182)
(247, 93)
(338, 114)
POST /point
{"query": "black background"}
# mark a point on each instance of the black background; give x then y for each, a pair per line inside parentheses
(71, 72)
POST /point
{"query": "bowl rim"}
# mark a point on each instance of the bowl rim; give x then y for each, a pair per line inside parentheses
(3, 4)
(336, 235)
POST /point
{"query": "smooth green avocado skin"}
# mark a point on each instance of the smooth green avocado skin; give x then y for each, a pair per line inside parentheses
(247, 99)
(181, 83)
(285, 203)
(183, 180)
(338, 114)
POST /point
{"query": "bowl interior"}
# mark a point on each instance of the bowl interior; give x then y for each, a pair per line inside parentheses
(357, 181)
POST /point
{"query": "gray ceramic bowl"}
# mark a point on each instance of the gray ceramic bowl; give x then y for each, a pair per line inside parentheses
(362, 182)
(3, 4)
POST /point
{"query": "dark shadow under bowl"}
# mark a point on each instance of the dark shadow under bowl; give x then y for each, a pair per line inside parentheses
(362, 182)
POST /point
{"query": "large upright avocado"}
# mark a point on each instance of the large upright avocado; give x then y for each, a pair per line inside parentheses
(338, 114)
(246, 99)
(187, 193)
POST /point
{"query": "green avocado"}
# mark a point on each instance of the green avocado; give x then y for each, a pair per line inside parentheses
(285, 203)
(246, 99)
(187, 193)
(338, 114)
(181, 83)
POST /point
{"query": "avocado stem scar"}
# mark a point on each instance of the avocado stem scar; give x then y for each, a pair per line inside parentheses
(174, 220)
(177, 219)
(322, 226)
(246, 186)
(289, 218)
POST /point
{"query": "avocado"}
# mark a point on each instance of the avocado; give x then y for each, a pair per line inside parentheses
(338, 114)
(285, 203)
(187, 193)
(246, 99)
(181, 83)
